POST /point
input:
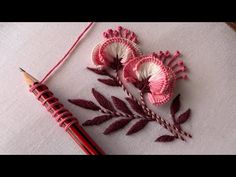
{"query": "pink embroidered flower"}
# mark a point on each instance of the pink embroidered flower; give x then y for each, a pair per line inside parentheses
(118, 48)
(155, 74)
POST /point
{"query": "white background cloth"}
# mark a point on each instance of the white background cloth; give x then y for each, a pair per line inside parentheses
(209, 51)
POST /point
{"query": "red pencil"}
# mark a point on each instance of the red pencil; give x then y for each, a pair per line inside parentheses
(62, 116)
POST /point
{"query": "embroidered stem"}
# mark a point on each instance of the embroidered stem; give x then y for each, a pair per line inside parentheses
(160, 119)
(118, 114)
(150, 113)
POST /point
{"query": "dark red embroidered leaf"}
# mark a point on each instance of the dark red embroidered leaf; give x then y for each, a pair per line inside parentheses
(175, 105)
(121, 105)
(102, 100)
(110, 82)
(116, 126)
(98, 71)
(137, 126)
(97, 120)
(84, 104)
(165, 138)
(135, 106)
(184, 117)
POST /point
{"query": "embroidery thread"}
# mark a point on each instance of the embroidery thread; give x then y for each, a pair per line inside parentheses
(153, 75)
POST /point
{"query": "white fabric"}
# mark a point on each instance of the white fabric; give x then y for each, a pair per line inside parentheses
(26, 128)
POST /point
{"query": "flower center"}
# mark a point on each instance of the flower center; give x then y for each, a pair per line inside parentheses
(116, 64)
(143, 85)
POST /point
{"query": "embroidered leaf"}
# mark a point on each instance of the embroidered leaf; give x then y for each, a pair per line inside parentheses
(184, 117)
(84, 104)
(98, 71)
(175, 105)
(135, 106)
(121, 105)
(102, 100)
(165, 138)
(110, 82)
(97, 120)
(137, 126)
(116, 126)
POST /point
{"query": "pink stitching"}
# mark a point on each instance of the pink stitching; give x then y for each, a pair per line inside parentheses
(159, 85)
(118, 40)
(122, 36)
(171, 72)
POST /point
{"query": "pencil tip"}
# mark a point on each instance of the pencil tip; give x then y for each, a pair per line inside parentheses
(22, 70)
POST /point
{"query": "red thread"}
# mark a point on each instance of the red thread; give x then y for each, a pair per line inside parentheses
(65, 57)
(52, 104)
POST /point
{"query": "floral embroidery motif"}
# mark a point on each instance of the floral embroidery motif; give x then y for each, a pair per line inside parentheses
(159, 75)
(119, 47)
(154, 75)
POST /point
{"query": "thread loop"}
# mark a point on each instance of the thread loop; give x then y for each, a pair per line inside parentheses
(63, 116)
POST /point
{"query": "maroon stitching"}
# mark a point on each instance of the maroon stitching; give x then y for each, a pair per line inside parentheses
(168, 65)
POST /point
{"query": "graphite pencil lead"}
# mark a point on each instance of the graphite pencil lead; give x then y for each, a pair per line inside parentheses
(21, 69)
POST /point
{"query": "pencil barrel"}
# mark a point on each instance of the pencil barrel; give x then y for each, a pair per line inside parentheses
(65, 119)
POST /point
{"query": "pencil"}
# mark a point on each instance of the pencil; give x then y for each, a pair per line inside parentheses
(62, 115)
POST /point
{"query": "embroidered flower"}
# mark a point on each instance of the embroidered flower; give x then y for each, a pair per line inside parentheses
(119, 47)
(156, 75)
